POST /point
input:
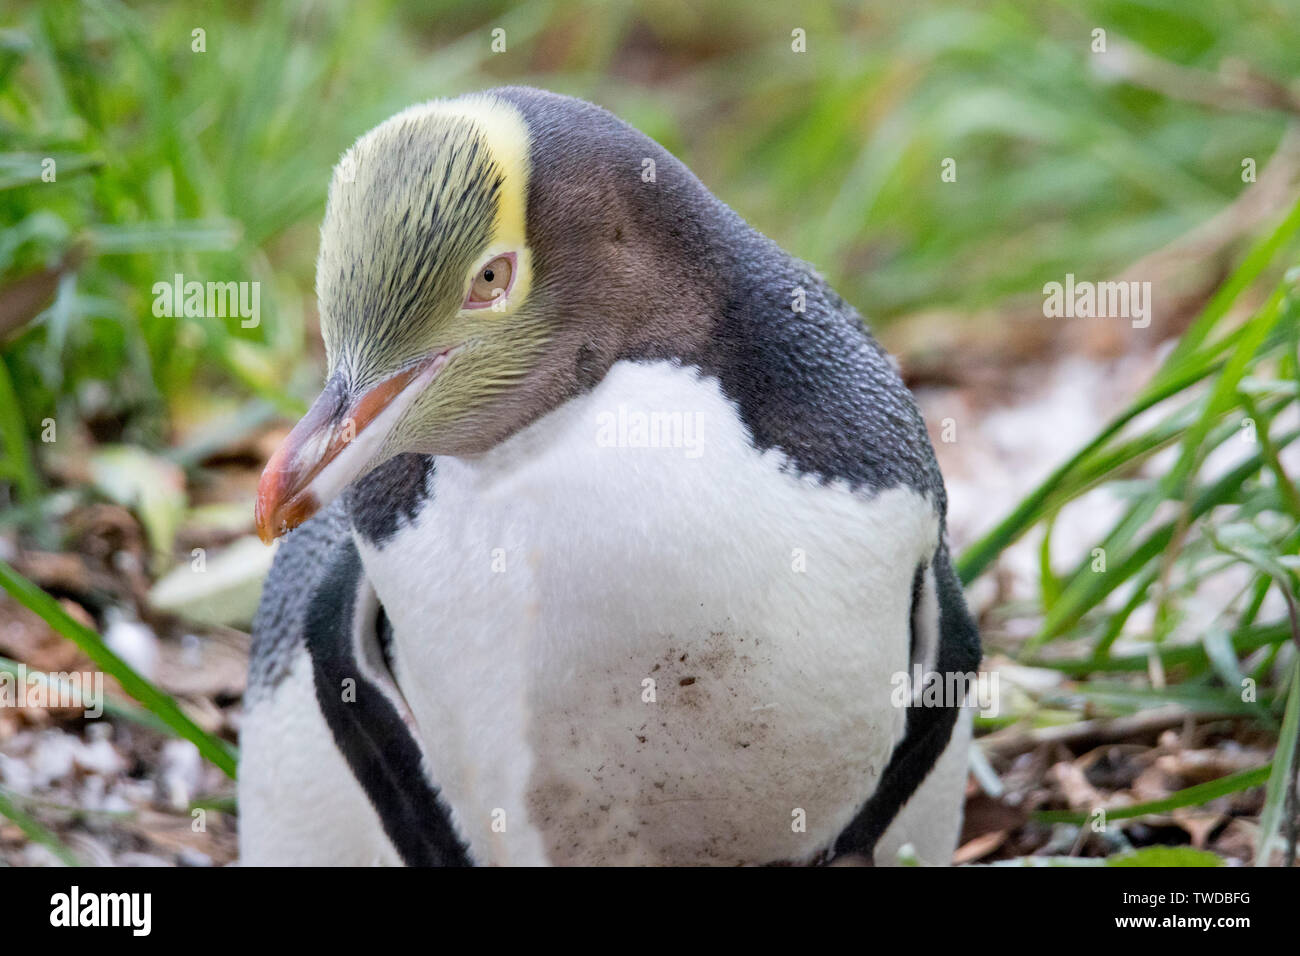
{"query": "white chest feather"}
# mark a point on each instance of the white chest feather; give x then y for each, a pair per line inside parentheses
(629, 637)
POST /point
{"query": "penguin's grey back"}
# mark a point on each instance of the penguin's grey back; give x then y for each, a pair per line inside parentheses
(300, 564)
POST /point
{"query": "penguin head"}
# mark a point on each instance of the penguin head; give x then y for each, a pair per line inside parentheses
(482, 260)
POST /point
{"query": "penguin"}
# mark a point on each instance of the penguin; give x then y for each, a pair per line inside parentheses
(613, 538)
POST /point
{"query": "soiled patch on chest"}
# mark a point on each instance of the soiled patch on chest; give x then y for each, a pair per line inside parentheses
(692, 751)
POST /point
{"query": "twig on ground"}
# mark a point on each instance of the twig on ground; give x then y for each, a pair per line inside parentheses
(1093, 732)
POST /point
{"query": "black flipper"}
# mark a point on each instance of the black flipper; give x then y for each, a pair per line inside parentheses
(928, 729)
(369, 728)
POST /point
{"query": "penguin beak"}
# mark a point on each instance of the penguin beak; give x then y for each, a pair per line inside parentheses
(334, 444)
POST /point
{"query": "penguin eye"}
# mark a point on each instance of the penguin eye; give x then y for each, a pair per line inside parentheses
(491, 282)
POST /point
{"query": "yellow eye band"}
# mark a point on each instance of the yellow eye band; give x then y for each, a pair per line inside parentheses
(506, 135)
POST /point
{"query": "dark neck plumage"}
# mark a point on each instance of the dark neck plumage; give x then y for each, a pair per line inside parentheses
(806, 375)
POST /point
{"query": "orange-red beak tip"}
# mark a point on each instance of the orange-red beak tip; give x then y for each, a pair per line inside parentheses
(265, 509)
(265, 529)
(285, 498)
(278, 509)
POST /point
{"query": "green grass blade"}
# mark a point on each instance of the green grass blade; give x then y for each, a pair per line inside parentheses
(976, 558)
(1087, 589)
(162, 705)
(1284, 769)
(34, 831)
(1245, 639)
(17, 461)
(1189, 797)
(1261, 255)
(112, 707)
